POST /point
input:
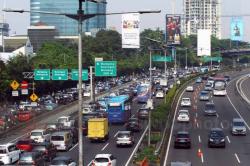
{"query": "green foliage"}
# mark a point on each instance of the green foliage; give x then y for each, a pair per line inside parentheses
(147, 152)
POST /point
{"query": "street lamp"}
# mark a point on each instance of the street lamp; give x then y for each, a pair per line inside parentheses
(80, 17)
(186, 67)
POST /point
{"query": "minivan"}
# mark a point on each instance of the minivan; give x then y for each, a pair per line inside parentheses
(62, 140)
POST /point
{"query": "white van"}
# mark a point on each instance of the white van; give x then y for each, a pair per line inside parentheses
(62, 140)
(9, 153)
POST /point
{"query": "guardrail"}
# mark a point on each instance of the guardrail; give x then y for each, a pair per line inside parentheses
(239, 89)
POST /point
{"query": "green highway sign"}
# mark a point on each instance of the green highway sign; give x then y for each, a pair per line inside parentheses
(59, 74)
(214, 59)
(75, 75)
(161, 58)
(105, 68)
(42, 74)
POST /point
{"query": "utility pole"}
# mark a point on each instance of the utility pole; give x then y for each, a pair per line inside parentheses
(150, 98)
(91, 84)
(186, 60)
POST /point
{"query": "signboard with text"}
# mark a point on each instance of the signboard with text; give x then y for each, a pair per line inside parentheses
(42, 74)
(106, 68)
(161, 58)
(59, 74)
(75, 75)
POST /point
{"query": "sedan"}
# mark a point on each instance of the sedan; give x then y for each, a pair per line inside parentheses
(190, 88)
(25, 144)
(216, 138)
(182, 139)
(125, 138)
(183, 116)
(238, 127)
(104, 160)
(204, 96)
(198, 80)
(186, 102)
(142, 113)
(159, 94)
(63, 160)
(133, 124)
(210, 109)
(208, 86)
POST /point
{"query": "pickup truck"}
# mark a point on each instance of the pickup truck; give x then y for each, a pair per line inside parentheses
(40, 135)
(66, 121)
(98, 129)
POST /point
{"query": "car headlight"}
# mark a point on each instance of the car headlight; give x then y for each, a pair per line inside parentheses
(223, 140)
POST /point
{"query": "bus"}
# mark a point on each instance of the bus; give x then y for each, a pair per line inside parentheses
(119, 109)
(143, 93)
(219, 86)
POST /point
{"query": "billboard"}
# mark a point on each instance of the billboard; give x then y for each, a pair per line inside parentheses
(204, 42)
(173, 29)
(130, 30)
(236, 28)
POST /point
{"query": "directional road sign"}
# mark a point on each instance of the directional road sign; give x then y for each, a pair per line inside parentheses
(161, 58)
(42, 74)
(33, 97)
(214, 59)
(75, 75)
(14, 85)
(105, 68)
(59, 74)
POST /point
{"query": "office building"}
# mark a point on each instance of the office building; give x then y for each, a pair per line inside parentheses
(64, 25)
(202, 14)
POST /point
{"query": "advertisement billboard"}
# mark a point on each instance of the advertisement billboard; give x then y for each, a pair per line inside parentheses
(130, 30)
(173, 29)
(204, 42)
(236, 28)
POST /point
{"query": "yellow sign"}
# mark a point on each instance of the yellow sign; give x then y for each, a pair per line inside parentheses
(14, 85)
(33, 97)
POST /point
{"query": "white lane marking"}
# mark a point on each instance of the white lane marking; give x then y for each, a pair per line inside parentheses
(132, 115)
(105, 147)
(116, 134)
(221, 124)
(228, 139)
(171, 132)
(202, 158)
(197, 124)
(196, 115)
(14, 140)
(199, 137)
(73, 147)
(217, 115)
(236, 156)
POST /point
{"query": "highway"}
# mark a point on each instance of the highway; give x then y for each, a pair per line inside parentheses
(228, 107)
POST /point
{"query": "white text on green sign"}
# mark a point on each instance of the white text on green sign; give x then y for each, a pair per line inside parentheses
(59, 74)
(106, 68)
(75, 75)
(42, 74)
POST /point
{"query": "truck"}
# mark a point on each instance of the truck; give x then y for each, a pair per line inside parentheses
(66, 121)
(98, 129)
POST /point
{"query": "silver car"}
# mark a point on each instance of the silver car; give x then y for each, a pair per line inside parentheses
(125, 138)
(238, 127)
(210, 109)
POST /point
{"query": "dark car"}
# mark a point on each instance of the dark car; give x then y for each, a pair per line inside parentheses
(142, 113)
(25, 144)
(182, 140)
(216, 138)
(133, 124)
(63, 160)
(31, 158)
(47, 149)
(210, 109)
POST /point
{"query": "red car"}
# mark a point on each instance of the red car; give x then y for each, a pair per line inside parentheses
(24, 116)
(25, 144)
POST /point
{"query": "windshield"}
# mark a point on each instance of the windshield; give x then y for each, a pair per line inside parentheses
(36, 133)
(239, 124)
(209, 107)
(219, 85)
(57, 138)
(101, 160)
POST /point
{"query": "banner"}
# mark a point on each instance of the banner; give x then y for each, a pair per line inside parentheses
(130, 31)
(204, 42)
(236, 29)
(173, 29)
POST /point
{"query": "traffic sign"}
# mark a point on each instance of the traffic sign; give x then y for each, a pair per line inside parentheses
(24, 85)
(161, 58)
(75, 75)
(214, 59)
(98, 59)
(24, 91)
(14, 85)
(105, 68)
(42, 74)
(15, 93)
(59, 74)
(33, 97)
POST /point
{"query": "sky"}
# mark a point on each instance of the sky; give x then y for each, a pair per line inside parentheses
(20, 22)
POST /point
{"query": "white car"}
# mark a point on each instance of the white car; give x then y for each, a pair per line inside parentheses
(104, 160)
(9, 153)
(186, 102)
(159, 94)
(183, 116)
(190, 88)
(40, 135)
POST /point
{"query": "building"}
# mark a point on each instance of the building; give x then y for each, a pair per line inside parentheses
(65, 25)
(202, 14)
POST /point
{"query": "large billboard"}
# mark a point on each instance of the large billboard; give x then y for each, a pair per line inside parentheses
(130, 30)
(173, 29)
(236, 29)
(204, 42)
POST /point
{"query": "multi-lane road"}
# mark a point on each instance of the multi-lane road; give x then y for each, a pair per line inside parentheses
(228, 107)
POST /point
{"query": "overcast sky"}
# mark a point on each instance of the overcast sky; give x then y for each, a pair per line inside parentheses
(20, 22)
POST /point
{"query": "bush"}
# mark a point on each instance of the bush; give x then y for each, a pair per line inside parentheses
(147, 152)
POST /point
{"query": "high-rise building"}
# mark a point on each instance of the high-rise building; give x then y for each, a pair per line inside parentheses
(64, 25)
(202, 14)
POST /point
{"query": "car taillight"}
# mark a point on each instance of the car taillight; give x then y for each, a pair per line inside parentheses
(33, 163)
(93, 164)
(109, 164)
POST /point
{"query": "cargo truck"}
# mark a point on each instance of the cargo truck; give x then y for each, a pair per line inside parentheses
(98, 129)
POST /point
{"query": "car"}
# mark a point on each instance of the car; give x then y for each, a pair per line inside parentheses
(104, 160)
(185, 102)
(62, 140)
(198, 80)
(133, 124)
(190, 88)
(204, 96)
(179, 163)
(25, 144)
(238, 127)
(216, 138)
(182, 140)
(159, 94)
(9, 153)
(208, 86)
(183, 116)
(40, 135)
(143, 113)
(210, 109)
(63, 161)
(124, 138)
(31, 158)
(47, 149)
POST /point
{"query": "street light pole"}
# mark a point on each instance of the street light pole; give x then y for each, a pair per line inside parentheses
(186, 60)
(165, 63)
(150, 92)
